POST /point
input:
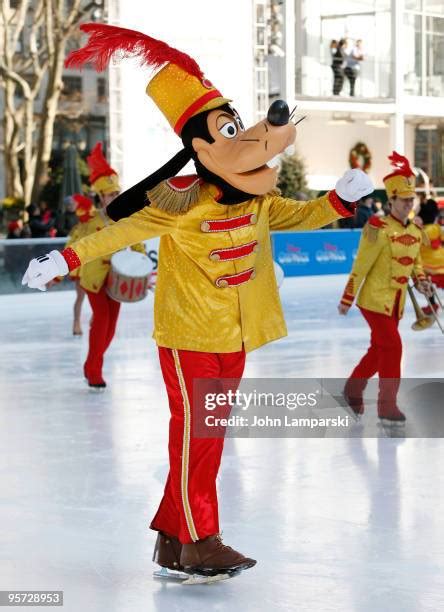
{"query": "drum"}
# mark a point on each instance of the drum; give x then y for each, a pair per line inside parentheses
(129, 276)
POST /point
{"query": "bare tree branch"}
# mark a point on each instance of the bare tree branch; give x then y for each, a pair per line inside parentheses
(43, 28)
(19, 20)
(16, 78)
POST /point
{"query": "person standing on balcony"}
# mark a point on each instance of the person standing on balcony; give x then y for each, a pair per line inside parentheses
(338, 65)
(353, 65)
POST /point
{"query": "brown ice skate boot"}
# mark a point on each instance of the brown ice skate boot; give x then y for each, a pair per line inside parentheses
(167, 552)
(210, 557)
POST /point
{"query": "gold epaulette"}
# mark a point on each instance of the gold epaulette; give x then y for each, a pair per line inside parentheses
(372, 227)
(176, 195)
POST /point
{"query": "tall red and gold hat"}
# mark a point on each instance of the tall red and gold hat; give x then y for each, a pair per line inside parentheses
(180, 89)
(102, 178)
(401, 182)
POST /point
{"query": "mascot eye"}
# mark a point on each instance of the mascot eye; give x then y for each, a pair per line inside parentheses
(229, 129)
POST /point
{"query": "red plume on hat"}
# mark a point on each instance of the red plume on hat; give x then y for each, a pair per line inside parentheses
(106, 40)
(401, 164)
(98, 166)
(84, 207)
(82, 202)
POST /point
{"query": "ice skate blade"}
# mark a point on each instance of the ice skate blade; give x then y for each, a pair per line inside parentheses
(355, 416)
(92, 389)
(390, 423)
(201, 579)
(96, 389)
(165, 574)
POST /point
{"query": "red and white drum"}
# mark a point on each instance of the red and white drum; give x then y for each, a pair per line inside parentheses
(130, 276)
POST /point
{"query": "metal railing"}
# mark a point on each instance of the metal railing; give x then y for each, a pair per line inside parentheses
(374, 80)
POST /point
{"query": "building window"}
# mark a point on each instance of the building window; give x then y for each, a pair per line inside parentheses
(72, 89)
(102, 96)
(429, 152)
(424, 45)
(365, 25)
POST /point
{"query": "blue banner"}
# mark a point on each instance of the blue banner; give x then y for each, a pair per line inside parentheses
(316, 252)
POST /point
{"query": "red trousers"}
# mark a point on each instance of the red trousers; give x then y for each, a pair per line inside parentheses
(189, 508)
(102, 329)
(383, 357)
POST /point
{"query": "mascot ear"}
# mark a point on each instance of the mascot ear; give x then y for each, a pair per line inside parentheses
(135, 198)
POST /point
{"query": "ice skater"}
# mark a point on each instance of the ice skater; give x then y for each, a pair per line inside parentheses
(388, 255)
(432, 252)
(84, 210)
(216, 295)
(93, 275)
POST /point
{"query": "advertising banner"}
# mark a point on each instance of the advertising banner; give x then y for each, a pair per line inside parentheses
(315, 252)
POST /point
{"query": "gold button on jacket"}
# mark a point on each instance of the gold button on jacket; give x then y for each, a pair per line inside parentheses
(388, 255)
(191, 311)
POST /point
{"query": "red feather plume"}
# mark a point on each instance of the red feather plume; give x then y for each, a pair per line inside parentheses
(98, 165)
(82, 202)
(106, 40)
(401, 163)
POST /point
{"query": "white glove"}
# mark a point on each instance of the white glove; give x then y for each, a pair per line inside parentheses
(354, 185)
(43, 269)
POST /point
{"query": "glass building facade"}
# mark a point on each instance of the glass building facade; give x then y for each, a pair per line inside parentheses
(402, 66)
(424, 47)
(371, 21)
(323, 22)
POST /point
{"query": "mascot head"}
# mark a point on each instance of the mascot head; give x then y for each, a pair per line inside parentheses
(241, 162)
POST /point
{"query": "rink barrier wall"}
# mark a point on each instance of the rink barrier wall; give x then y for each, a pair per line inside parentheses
(15, 255)
(316, 252)
(298, 253)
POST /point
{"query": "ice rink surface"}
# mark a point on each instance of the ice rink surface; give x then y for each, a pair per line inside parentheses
(336, 524)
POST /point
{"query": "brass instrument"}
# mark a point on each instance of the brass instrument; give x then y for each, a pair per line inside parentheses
(424, 321)
(438, 301)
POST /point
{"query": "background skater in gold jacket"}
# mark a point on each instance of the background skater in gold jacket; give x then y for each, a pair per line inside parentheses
(388, 255)
(216, 293)
(93, 275)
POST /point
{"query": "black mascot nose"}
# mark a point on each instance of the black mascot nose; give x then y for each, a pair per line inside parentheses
(278, 113)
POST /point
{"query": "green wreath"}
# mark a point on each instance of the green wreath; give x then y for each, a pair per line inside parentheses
(360, 157)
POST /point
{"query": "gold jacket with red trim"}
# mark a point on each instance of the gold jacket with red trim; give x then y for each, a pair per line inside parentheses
(93, 275)
(432, 251)
(216, 289)
(388, 255)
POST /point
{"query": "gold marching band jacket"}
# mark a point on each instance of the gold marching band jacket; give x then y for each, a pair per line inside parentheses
(216, 289)
(93, 275)
(432, 251)
(388, 255)
(104, 180)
